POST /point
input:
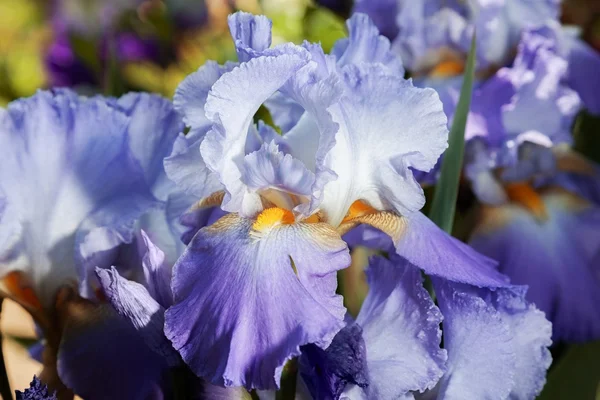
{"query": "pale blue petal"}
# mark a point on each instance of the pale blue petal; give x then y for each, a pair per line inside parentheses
(555, 258)
(153, 127)
(67, 173)
(245, 300)
(497, 343)
(387, 128)
(401, 331)
(269, 168)
(231, 105)
(190, 96)
(251, 34)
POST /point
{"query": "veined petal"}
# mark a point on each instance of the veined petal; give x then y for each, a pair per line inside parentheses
(425, 245)
(62, 196)
(231, 105)
(364, 44)
(481, 357)
(497, 343)
(401, 330)
(387, 127)
(188, 170)
(283, 280)
(556, 260)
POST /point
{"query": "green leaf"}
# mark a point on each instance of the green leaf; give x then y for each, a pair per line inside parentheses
(576, 376)
(443, 206)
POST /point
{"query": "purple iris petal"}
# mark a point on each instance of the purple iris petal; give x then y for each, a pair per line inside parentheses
(327, 372)
(101, 356)
(134, 303)
(554, 257)
(71, 185)
(244, 304)
(497, 344)
(428, 247)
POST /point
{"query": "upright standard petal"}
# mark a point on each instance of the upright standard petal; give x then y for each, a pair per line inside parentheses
(251, 34)
(401, 331)
(283, 277)
(231, 105)
(387, 127)
(67, 172)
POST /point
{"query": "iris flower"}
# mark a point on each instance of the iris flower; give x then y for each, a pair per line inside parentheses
(79, 178)
(434, 36)
(537, 219)
(259, 283)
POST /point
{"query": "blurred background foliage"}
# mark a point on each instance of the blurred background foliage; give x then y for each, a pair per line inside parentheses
(114, 46)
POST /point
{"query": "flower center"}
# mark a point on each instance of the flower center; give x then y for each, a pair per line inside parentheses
(272, 217)
(447, 69)
(524, 195)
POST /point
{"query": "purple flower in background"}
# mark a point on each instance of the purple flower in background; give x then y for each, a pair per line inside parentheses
(533, 219)
(353, 131)
(434, 36)
(36, 391)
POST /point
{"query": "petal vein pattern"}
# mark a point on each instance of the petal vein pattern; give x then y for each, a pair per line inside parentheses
(253, 300)
(387, 127)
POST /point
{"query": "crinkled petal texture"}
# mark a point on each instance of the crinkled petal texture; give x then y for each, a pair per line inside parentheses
(133, 302)
(496, 343)
(246, 300)
(70, 183)
(387, 127)
(101, 356)
(555, 257)
(401, 331)
(537, 75)
(231, 105)
(153, 128)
